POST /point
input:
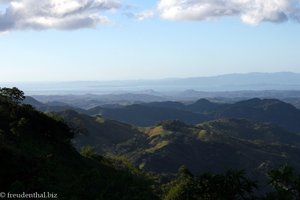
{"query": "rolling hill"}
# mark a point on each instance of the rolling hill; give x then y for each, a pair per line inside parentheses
(263, 110)
(101, 133)
(210, 146)
(217, 145)
(273, 111)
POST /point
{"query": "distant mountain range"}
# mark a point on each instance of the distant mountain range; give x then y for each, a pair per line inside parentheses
(229, 82)
(89, 101)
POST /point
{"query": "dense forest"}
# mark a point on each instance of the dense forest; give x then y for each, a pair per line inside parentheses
(50, 152)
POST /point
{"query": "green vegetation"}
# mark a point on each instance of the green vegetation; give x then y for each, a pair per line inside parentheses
(13, 95)
(286, 183)
(230, 185)
(158, 130)
(211, 146)
(36, 155)
(157, 146)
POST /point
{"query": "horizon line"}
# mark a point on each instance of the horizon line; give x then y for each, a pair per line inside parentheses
(149, 79)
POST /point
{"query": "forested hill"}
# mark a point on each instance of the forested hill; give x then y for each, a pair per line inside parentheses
(148, 114)
(36, 156)
(210, 146)
(272, 111)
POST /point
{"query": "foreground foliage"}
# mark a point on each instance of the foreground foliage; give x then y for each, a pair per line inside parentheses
(284, 184)
(231, 185)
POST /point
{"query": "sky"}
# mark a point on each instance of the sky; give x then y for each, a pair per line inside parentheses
(71, 40)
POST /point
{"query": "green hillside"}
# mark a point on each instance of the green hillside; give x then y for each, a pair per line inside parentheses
(211, 146)
(218, 145)
(103, 134)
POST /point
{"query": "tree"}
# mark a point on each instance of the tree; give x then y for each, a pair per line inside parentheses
(88, 151)
(285, 182)
(228, 186)
(12, 94)
(182, 188)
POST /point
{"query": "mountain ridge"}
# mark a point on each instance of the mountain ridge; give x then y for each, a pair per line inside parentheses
(147, 114)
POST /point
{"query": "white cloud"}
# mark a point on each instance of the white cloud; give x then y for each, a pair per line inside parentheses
(57, 14)
(5, 1)
(250, 11)
(144, 15)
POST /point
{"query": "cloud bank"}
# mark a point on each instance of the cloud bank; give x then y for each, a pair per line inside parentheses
(54, 14)
(250, 11)
(76, 14)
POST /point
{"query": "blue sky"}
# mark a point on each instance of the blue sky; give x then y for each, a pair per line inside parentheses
(153, 48)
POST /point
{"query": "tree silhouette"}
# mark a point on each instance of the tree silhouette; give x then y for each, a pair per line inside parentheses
(12, 94)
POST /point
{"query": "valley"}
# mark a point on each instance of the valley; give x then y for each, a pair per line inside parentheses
(255, 134)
